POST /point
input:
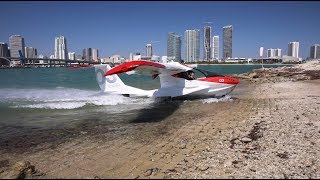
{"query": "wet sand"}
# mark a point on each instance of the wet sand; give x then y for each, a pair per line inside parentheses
(267, 130)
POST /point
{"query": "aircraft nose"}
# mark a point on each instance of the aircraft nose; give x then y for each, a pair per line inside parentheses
(235, 81)
(232, 80)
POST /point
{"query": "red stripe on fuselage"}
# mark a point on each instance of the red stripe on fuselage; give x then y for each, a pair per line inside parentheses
(220, 79)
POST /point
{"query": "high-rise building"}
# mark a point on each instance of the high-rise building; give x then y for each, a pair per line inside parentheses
(293, 49)
(274, 53)
(149, 50)
(278, 53)
(207, 43)
(192, 45)
(130, 56)
(315, 51)
(30, 52)
(174, 46)
(60, 48)
(215, 47)
(227, 42)
(87, 54)
(4, 51)
(72, 55)
(16, 43)
(95, 55)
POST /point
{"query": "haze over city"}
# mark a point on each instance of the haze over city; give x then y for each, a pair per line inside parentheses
(126, 27)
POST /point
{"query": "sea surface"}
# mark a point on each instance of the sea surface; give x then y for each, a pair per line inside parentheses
(37, 99)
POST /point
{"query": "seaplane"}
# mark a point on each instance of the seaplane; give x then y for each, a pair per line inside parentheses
(175, 80)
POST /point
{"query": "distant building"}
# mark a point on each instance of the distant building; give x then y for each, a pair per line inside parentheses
(79, 57)
(149, 50)
(114, 59)
(286, 59)
(137, 56)
(174, 46)
(315, 51)
(60, 50)
(30, 52)
(52, 57)
(215, 47)
(274, 53)
(155, 58)
(16, 43)
(164, 59)
(87, 54)
(4, 51)
(227, 42)
(207, 43)
(293, 49)
(192, 45)
(95, 55)
(130, 56)
(72, 55)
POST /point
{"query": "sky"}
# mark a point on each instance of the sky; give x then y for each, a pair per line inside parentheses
(122, 27)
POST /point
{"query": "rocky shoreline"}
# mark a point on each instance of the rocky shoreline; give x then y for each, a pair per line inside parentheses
(270, 128)
(308, 71)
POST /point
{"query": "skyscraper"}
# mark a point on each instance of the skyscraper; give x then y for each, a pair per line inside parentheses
(95, 55)
(274, 53)
(31, 52)
(174, 46)
(207, 43)
(87, 54)
(149, 50)
(60, 50)
(216, 47)
(16, 43)
(227, 42)
(293, 49)
(4, 52)
(71, 55)
(192, 45)
(315, 51)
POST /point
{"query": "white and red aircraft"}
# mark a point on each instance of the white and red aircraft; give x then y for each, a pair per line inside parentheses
(173, 80)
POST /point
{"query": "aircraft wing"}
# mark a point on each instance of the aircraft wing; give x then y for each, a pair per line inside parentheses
(153, 68)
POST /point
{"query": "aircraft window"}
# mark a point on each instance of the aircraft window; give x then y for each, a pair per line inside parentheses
(207, 73)
(189, 75)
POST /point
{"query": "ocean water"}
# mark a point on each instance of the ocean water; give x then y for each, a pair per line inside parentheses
(35, 99)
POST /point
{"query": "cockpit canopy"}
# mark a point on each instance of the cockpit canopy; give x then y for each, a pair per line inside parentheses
(208, 73)
(196, 73)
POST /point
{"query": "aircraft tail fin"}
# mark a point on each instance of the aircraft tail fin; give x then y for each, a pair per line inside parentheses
(111, 83)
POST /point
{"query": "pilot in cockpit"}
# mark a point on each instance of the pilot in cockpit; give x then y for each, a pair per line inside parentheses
(190, 75)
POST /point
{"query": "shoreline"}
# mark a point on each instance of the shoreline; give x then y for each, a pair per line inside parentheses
(277, 64)
(269, 129)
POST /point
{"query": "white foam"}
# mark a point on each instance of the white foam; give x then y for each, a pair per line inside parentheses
(63, 98)
(63, 105)
(216, 100)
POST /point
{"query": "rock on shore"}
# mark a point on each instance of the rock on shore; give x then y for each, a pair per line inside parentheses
(306, 71)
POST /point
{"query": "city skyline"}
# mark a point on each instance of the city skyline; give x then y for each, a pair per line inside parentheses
(126, 27)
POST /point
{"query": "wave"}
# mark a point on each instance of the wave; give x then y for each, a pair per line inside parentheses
(63, 98)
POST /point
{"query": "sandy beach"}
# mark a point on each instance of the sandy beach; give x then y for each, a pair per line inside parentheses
(269, 128)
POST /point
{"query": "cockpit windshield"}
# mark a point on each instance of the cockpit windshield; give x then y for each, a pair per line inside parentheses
(207, 73)
(195, 73)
